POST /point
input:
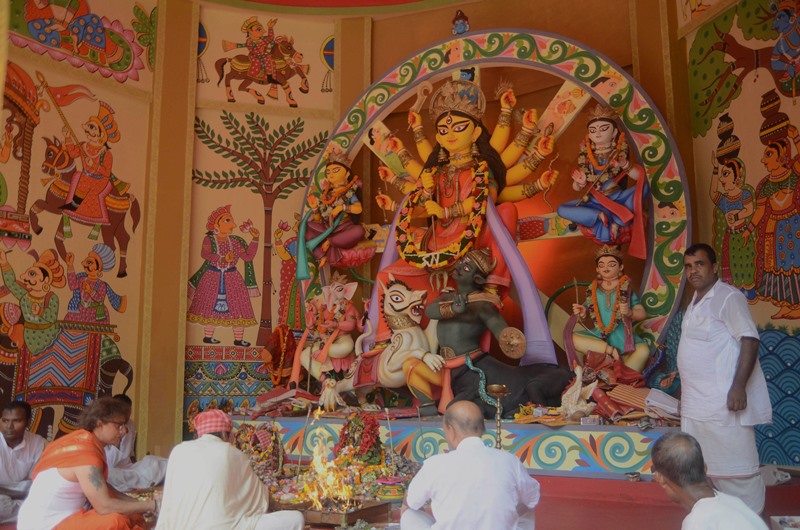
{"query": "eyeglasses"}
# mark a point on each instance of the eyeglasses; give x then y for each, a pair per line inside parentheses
(120, 424)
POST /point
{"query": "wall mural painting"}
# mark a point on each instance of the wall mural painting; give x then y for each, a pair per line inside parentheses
(290, 296)
(76, 32)
(266, 159)
(327, 55)
(93, 195)
(744, 84)
(60, 356)
(202, 48)
(264, 59)
(756, 223)
(271, 60)
(146, 27)
(734, 201)
(776, 222)
(219, 295)
(719, 63)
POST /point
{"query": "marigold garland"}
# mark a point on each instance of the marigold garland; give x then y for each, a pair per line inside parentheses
(361, 432)
(438, 259)
(586, 153)
(616, 318)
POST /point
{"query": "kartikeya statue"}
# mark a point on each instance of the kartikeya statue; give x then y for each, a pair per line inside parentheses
(612, 307)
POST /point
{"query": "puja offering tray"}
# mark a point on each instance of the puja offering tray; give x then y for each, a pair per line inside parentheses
(369, 511)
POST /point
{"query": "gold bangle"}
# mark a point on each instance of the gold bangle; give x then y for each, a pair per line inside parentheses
(504, 120)
(531, 188)
(523, 137)
(531, 163)
(404, 156)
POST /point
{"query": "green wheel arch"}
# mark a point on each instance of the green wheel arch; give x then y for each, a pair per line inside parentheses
(569, 60)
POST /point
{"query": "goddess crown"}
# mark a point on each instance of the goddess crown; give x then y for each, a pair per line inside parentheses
(461, 96)
(608, 250)
(334, 154)
(601, 112)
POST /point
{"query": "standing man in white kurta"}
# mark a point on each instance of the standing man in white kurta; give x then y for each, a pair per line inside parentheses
(723, 390)
(472, 486)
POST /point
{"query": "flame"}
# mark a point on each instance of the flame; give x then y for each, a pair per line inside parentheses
(328, 484)
(317, 414)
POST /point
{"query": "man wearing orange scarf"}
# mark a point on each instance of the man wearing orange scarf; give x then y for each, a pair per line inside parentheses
(73, 471)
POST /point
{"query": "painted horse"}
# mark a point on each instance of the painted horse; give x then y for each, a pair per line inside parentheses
(59, 165)
(287, 65)
(81, 364)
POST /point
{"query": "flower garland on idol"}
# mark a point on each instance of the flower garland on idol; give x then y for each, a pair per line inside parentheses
(621, 294)
(441, 258)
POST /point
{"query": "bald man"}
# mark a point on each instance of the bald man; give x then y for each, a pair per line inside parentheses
(472, 486)
(679, 468)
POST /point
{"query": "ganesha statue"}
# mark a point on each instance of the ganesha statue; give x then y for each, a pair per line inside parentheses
(327, 344)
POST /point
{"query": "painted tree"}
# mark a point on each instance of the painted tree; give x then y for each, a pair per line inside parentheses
(719, 63)
(268, 162)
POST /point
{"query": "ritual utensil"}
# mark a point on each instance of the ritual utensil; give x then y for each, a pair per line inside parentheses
(389, 429)
(498, 392)
(577, 294)
(303, 442)
(422, 442)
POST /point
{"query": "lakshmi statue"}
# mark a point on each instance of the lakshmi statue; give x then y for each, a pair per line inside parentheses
(452, 189)
(610, 209)
(329, 228)
(612, 307)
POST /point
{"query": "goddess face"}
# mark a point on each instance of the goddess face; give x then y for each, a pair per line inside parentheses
(226, 224)
(456, 133)
(771, 158)
(337, 174)
(602, 132)
(608, 268)
(727, 179)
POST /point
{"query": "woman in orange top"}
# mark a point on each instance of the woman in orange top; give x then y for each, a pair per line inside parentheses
(73, 471)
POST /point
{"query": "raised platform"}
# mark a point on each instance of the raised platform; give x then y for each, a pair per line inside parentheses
(568, 451)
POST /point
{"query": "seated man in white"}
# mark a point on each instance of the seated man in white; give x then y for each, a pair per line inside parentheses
(210, 484)
(472, 486)
(125, 474)
(19, 452)
(679, 468)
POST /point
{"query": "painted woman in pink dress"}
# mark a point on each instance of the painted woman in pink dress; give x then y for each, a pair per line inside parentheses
(218, 294)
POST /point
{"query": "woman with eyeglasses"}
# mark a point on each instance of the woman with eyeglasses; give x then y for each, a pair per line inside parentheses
(70, 488)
